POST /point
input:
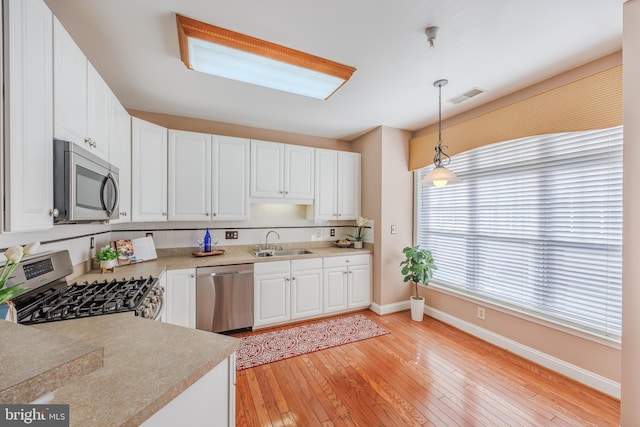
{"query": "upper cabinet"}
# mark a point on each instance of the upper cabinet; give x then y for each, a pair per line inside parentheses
(281, 173)
(148, 171)
(337, 195)
(208, 177)
(81, 97)
(28, 97)
(120, 155)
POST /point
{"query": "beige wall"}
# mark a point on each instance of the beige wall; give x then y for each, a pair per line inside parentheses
(630, 413)
(387, 198)
(228, 129)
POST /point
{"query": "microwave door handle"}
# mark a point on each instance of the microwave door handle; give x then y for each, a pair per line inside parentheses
(109, 210)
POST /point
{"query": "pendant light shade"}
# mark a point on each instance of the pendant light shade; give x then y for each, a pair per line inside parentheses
(440, 175)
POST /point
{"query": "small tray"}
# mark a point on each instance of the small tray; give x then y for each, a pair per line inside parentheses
(216, 252)
(344, 245)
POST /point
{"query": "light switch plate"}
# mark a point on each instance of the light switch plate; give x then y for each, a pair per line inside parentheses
(393, 229)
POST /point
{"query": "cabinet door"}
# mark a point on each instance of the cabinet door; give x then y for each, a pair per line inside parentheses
(271, 299)
(335, 289)
(326, 175)
(230, 175)
(120, 155)
(298, 173)
(189, 176)
(267, 169)
(70, 87)
(359, 286)
(148, 171)
(98, 112)
(28, 100)
(306, 293)
(348, 185)
(180, 297)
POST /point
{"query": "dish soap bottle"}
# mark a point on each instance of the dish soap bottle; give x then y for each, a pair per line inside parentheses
(207, 241)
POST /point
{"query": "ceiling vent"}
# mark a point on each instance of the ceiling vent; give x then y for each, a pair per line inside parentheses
(469, 94)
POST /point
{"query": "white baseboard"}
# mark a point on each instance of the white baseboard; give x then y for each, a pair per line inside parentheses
(389, 308)
(598, 382)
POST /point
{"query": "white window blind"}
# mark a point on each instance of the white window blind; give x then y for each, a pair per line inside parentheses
(536, 225)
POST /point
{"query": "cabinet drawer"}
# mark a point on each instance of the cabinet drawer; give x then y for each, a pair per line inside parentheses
(306, 264)
(341, 261)
(271, 267)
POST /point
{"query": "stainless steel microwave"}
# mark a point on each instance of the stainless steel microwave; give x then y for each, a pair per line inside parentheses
(85, 187)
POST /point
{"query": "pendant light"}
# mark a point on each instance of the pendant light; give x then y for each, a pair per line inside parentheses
(440, 175)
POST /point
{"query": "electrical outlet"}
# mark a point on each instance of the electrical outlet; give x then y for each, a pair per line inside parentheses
(149, 235)
(318, 233)
(333, 232)
(481, 313)
(231, 235)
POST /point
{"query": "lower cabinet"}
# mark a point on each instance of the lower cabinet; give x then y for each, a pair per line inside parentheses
(209, 401)
(287, 290)
(180, 297)
(306, 288)
(347, 283)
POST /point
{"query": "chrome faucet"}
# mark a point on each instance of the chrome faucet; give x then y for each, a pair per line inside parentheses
(266, 240)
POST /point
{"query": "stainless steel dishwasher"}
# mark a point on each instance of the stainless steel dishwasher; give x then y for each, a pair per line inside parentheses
(224, 298)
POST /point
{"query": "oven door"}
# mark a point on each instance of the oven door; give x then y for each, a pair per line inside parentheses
(88, 190)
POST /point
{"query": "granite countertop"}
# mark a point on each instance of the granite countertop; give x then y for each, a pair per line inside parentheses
(35, 363)
(146, 365)
(174, 259)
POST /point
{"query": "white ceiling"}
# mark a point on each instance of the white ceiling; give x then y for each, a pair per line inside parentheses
(497, 45)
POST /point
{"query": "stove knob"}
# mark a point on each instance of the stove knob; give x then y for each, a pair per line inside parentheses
(154, 299)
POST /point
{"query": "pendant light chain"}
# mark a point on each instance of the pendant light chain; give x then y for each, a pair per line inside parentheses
(437, 159)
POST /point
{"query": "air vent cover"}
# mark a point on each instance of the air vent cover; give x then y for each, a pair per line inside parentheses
(468, 94)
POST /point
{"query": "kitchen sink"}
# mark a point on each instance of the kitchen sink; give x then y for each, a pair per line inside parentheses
(283, 252)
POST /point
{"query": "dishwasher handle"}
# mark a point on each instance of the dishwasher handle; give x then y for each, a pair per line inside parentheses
(230, 273)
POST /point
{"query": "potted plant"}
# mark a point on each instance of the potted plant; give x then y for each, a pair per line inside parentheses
(417, 267)
(357, 237)
(107, 257)
(13, 255)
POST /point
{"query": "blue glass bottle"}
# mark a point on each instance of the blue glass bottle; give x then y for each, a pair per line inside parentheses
(207, 241)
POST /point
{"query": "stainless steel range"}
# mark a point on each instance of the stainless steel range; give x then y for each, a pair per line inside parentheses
(50, 298)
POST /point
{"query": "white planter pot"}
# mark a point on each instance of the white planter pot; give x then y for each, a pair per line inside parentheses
(105, 265)
(357, 245)
(417, 308)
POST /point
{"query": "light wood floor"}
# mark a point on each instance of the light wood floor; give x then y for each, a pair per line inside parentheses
(424, 373)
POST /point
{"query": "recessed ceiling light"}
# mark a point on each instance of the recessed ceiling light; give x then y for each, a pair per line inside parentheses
(225, 53)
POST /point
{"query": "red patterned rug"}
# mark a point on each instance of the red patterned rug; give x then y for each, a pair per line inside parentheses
(256, 350)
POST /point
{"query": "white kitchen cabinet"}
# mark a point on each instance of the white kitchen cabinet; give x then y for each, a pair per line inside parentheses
(148, 171)
(337, 188)
(271, 298)
(306, 288)
(347, 282)
(209, 401)
(208, 177)
(120, 155)
(287, 290)
(28, 97)
(281, 173)
(81, 97)
(230, 178)
(189, 172)
(180, 297)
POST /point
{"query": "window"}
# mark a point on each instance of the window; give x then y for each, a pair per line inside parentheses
(536, 226)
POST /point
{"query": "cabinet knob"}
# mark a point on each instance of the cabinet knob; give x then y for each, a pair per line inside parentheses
(54, 212)
(215, 214)
(293, 278)
(164, 214)
(286, 279)
(192, 275)
(280, 192)
(286, 192)
(207, 214)
(123, 214)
